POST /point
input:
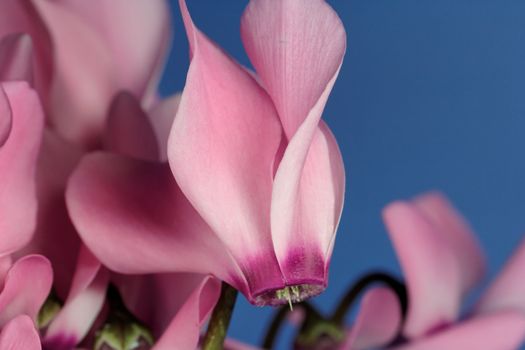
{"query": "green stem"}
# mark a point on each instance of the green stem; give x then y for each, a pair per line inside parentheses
(220, 319)
(377, 277)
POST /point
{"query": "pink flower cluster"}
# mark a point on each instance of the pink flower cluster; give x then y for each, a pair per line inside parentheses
(122, 212)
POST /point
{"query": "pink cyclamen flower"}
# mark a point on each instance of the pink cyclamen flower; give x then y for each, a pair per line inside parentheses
(261, 177)
(442, 261)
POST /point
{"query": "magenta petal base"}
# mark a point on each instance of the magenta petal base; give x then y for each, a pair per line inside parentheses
(289, 294)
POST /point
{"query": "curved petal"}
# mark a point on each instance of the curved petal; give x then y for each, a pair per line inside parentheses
(232, 344)
(161, 117)
(156, 298)
(431, 268)
(184, 331)
(20, 334)
(18, 157)
(26, 287)
(134, 218)
(304, 241)
(56, 161)
(502, 331)
(221, 151)
(21, 17)
(508, 290)
(16, 58)
(296, 47)
(378, 321)
(6, 118)
(85, 300)
(138, 51)
(457, 231)
(129, 130)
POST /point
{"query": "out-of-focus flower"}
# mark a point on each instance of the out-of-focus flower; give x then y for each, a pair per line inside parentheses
(130, 131)
(442, 261)
(263, 175)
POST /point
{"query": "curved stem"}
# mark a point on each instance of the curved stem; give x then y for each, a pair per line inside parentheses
(279, 318)
(220, 319)
(275, 325)
(376, 277)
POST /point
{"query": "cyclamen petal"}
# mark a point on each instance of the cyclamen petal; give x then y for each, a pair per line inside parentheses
(138, 51)
(457, 232)
(432, 272)
(296, 47)
(378, 321)
(143, 220)
(161, 116)
(79, 97)
(56, 161)
(508, 290)
(156, 298)
(304, 223)
(501, 331)
(5, 117)
(114, 54)
(16, 58)
(21, 17)
(184, 330)
(221, 150)
(82, 306)
(26, 287)
(129, 130)
(18, 157)
(20, 334)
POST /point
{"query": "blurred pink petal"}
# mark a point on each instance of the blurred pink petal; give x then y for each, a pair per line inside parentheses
(142, 219)
(129, 130)
(6, 119)
(26, 287)
(20, 334)
(82, 306)
(18, 157)
(100, 50)
(184, 330)
(16, 58)
(161, 116)
(56, 161)
(221, 150)
(497, 331)
(156, 298)
(461, 239)
(378, 320)
(507, 292)
(432, 271)
(138, 51)
(21, 17)
(84, 79)
(232, 344)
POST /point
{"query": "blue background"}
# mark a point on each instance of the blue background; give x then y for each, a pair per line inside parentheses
(430, 96)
